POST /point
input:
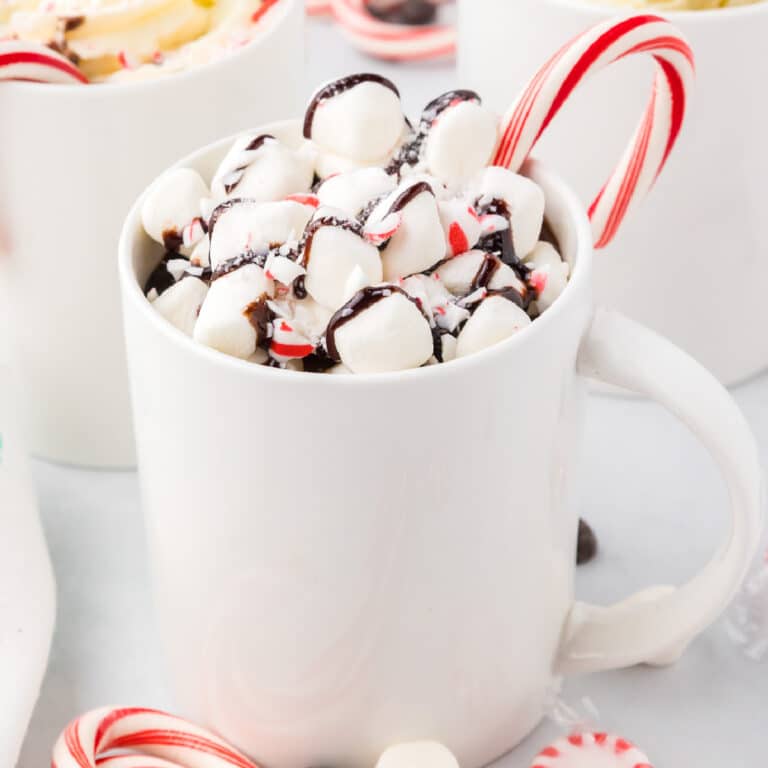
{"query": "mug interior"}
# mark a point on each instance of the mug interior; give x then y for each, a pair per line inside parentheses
(139, 255)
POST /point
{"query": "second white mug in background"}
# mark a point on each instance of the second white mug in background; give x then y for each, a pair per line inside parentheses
(72, 160)
(692, 262)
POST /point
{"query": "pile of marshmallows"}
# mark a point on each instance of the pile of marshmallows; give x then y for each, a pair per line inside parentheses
(367, 245)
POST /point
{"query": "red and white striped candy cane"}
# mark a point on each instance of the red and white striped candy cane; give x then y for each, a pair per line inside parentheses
(596, 49)
(22, 60)
(144, 738)
(395, 42)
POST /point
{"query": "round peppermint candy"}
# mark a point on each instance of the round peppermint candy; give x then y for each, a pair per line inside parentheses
(591, 750)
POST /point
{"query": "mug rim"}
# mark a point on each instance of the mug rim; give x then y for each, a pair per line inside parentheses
(595, 10)
(581, 267)
(281, 12)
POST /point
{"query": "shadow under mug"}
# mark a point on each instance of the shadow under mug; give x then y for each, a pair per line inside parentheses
(345, 562)
(72, 160)
(692, 261)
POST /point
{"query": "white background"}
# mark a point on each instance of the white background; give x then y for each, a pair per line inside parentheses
(651, 493)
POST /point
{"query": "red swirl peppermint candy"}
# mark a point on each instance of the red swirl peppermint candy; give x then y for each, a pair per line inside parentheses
(591, 750)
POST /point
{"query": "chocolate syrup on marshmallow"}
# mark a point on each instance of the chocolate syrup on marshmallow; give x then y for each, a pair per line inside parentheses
(236, 176)
(314, 226)
(338, 87)
(410, 153)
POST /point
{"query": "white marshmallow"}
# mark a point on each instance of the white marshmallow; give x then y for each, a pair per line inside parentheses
(494, 320)
(450, 345)
(524, 199)
(351, 191)
(172, 202)
(550, 274)
(269, 173)
(199, 255)
(249, 226)
(390, 335)
(419, 243)
(461, 142)
(459, 273)
(363, 123)
(356, 281)
(420, 754)
(180, 304)
(332, 258)
(461, 225)
(222, 323)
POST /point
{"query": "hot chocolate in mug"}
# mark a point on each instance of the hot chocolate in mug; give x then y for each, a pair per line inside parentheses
(344, 562)
(693, 263)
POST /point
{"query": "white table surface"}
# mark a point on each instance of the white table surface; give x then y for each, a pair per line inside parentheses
(652, 494)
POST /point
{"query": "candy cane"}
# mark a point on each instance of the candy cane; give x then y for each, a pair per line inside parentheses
(586, 750)
(22, 60)
(154, 740)
(318, 7)
(596, 49)
(395, 42)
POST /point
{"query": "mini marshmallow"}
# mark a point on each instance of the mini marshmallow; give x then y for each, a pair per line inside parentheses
(224, 323)
(494, 320)
(199, 255)
(461, 225)
(419, 754)
(390, 334)
(419, 243)
(172, 203)
(351, 191)
(359, 118)
(332, 251)
(461, 142)
(180, 304)
(262, 168)
(460, 274)
(449, 345)
(550, 274)
(356, 281)
(524, 200)
(244, 226)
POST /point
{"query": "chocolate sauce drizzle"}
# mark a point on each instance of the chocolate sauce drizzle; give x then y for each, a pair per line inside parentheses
(260, 317)
(340, 86)
(239, 172)
(259, 258)
(172, 240)
(410, 153)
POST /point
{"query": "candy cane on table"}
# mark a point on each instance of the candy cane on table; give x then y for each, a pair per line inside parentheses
(22, 60)
(145, 738)
(599, 47)
(395, 42)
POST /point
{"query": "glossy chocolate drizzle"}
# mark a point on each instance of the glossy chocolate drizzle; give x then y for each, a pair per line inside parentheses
(410, 153)
(340, 86)
(260, 316)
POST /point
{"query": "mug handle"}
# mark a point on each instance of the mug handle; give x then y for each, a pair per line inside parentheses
(655, 626)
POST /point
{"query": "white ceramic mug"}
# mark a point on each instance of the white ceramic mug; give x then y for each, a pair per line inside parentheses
(72, 160)
(693, 262)
(344, 562)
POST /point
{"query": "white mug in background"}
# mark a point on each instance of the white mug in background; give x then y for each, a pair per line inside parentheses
(692, 263)
(344, 562)
(72, 160)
